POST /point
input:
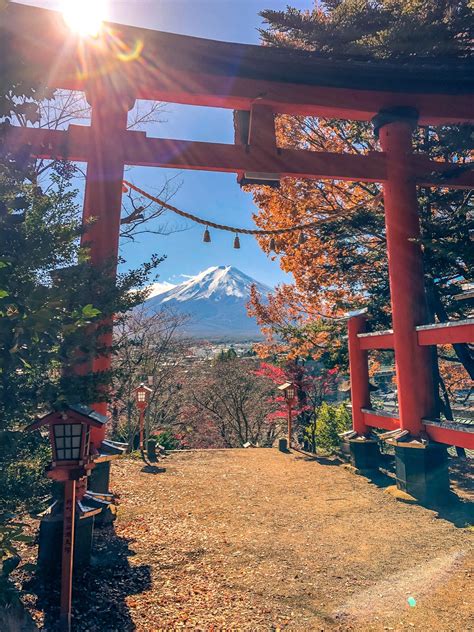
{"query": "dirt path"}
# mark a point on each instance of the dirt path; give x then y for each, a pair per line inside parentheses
(258, 540)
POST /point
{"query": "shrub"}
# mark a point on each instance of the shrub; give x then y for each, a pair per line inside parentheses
(343, 418)
(167, 440)
(23, 458)
(24, 488)
(330, 421)
(11, 534)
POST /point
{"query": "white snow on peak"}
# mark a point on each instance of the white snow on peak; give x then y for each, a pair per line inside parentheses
(160, 288)
(215, 283)
(215, 302)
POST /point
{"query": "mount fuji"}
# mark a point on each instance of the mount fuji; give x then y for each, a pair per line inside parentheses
(215, 301)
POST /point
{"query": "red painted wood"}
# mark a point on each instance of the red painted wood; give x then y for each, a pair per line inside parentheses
(179, 154)
(451, 437)
(412, 362)
(142, 428)
(381, 421)
(102, 203)
(48, 143)
(287, 98)
(140, 150)
(262, 127)
(42, 39)
(376, 341)
(67, 558)
(359, 374)
(447, 334)
(162, 71)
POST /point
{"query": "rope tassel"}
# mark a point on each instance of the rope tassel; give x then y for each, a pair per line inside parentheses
(207, 236)
(236, 242)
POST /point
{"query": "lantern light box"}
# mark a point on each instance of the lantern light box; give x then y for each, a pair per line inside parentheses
(289, 391)
(69, 433)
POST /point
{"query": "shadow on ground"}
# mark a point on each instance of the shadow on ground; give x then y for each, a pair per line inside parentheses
(302, 455)
(458, 509)
(461, 472)
(153, 469)
(100, 591)
(461, 509)
(379, 478)
(14, 617)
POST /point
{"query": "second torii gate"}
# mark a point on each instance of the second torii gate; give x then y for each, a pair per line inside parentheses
(127, 63)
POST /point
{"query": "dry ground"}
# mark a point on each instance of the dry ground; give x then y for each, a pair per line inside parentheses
(259, 540)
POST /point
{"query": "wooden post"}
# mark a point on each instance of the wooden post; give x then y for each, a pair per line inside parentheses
(103, 196)
(142, 427)
(405, 264)
(67, 559)
(290, 423)
(359, 374)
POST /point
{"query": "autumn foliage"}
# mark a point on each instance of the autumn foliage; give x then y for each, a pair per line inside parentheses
(342, 265)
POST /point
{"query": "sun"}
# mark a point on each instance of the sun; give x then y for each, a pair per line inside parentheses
(84, 17)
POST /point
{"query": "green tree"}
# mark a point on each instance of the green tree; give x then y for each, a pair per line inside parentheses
(394, 29)
(226, 354)
(54, 306)
(329, 423)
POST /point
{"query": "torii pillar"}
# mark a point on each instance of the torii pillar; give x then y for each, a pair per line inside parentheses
(421, 469)
(101, 219)
(364, 449)
(110, 103)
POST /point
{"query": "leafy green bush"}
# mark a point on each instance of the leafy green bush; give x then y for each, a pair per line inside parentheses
(24, 489)
(23, 458)
(330, 421)
(11, 533)
(167, 440)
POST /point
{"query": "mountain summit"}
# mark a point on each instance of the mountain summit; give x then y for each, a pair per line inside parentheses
(215, 301)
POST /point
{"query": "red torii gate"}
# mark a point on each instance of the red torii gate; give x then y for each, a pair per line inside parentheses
(127, 63)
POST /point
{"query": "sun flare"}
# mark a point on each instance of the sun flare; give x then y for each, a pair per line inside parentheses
(84, 17)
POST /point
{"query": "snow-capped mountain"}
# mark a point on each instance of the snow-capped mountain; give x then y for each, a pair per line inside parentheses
(215, 301)
(159, 288)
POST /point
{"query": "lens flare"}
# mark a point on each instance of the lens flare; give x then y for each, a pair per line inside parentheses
(133, 53)
(84, 17)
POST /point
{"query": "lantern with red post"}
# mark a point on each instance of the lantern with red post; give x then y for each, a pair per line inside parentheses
(69, 434)
(289, 391)
(142, 397)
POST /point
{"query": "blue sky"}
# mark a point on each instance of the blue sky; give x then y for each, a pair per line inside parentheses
(216, 196)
